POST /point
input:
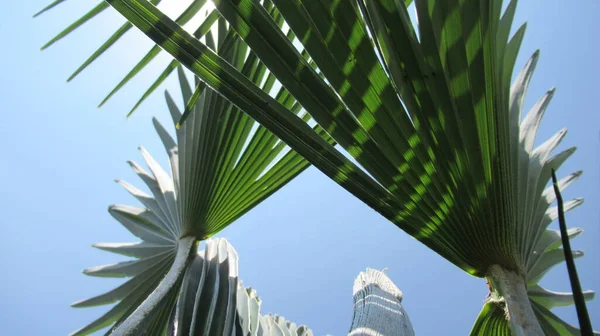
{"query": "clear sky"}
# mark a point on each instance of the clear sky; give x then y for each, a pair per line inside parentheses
(303, 247)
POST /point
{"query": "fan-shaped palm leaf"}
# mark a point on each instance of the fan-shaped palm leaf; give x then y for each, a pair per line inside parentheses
(209, 300)
(430, 114)
(222, 165)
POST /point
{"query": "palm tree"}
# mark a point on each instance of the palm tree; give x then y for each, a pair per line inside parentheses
(427, 111)
(222, 165)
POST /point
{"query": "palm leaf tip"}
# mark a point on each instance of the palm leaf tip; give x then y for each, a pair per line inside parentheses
(48, 7)
(188, 14)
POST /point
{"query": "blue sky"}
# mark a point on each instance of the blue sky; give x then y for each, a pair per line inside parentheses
(302, 248)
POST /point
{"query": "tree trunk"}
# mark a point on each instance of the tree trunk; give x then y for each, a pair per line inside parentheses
(377, 308)
(511, 289)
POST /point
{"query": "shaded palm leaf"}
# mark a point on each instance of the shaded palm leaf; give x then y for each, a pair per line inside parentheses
(429, 113)
(305, 141)
(432, 175)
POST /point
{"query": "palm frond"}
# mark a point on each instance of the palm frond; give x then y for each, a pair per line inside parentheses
(209, 300)
(222, 164)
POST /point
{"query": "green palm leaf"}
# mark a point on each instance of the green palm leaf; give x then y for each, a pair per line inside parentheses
(429, 113)
(491, 321)
(305, 141)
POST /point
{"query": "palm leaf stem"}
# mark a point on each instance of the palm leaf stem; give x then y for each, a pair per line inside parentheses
(582, 313)
(185, 251)
(510, 290)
